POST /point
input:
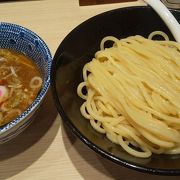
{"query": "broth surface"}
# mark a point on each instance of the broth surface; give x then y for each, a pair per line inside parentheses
(20, 83)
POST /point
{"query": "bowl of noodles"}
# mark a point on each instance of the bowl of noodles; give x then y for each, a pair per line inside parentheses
(25, 63)
(116, 84)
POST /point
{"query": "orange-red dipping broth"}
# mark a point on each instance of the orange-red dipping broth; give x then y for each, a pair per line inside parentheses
(20, 83)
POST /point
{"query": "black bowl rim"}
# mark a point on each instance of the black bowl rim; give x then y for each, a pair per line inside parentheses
(104, 154)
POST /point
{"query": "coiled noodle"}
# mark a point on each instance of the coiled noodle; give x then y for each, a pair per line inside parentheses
(133, 93)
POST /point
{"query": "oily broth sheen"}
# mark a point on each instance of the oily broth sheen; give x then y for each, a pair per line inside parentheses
(20, 83)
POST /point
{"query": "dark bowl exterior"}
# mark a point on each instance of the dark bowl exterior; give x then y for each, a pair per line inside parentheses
(78, 48)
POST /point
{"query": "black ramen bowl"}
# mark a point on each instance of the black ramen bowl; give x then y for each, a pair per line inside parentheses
(78, 48)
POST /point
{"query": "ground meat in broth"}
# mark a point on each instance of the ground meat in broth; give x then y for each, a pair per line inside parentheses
(20, 83)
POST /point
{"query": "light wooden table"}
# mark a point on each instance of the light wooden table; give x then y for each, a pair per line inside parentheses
(47, 149)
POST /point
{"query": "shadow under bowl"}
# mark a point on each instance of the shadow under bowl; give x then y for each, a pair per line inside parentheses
(78, 48)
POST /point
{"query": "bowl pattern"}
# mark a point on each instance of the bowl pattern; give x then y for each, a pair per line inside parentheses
(23, 40)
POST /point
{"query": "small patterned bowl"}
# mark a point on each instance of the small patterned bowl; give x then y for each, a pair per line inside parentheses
(22, 40)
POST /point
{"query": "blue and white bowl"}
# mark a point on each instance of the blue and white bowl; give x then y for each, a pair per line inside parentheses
(22, 40)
